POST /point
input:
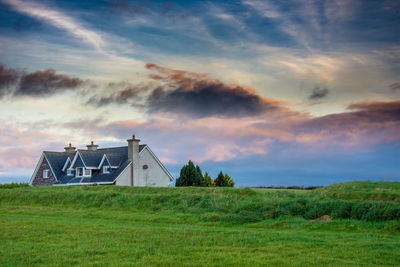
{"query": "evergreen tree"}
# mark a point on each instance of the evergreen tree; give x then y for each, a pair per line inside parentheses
(220, 180)
(228, 181)
(207, 181)
(198, 178)
(224, 180)
(189, 175)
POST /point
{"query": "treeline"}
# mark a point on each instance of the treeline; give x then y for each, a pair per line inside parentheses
(192, 175)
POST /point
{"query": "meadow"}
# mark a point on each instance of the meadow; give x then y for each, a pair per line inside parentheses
(124, 226)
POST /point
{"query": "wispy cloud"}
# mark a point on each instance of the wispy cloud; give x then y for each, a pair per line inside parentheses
(57, 19)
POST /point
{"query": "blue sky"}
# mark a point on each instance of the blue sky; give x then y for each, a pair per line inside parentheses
(274, 93)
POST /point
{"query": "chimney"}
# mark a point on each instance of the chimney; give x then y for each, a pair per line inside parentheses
(69, 148)
(133, 156)
(92, 146)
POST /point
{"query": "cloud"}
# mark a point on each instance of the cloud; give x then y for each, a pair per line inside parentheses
(318, 93)
(45, 83)
(57, 19)
(189, 94)
(130, 94)
(198, 95)
(8, 78)
(367, 123)
(395, 86)
(129, 8)
(15, 82)
(169, 10)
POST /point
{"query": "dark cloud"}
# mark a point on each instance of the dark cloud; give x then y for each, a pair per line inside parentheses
(318, 93)
(377, 111)
(395, 86)
(208, 99)
(128, 95)
(8, 78)
(187, 93)
(36, 84)
(45, 83)
(198, 95)
(367, 122)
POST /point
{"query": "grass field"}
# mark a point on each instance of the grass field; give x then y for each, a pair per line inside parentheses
(122, 226)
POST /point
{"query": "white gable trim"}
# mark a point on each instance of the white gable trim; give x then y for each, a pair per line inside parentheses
(37, 168)
(74, 160)
(122, 172)
(51, 168)
(102, 161)
(43, 156)
(66, 164)
(158, 161)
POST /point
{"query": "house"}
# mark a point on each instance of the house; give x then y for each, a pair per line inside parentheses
(131, 165)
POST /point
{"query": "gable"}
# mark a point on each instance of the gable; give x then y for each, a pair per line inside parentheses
(147, 149)
(104, 162)
(37, 177)
(67, 164)
(78, 162)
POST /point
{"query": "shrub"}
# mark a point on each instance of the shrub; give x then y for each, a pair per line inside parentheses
(207, 181)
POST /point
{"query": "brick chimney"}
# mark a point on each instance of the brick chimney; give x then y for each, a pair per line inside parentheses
(69, 148)
(133, 156)
(92, 146)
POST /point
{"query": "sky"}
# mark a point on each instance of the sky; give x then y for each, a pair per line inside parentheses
(298, 92)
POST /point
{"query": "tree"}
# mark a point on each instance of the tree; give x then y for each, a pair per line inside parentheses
(228, 181)
(199, 172)
(189, 175)
(207, 181)
(224, 180)
(220, 180)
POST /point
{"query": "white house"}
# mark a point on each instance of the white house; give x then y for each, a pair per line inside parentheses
(132, 165)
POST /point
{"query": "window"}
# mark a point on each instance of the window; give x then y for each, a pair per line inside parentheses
(81, 171)
(46, 173)
(69, 172)
(88, 172)
(106, 169)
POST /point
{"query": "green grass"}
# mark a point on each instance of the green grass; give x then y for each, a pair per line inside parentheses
(122, 226)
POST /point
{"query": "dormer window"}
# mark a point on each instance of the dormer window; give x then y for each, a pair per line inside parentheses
(106, 169)
(69, 172)
(81, 171)
(46, 173)
(87, 172)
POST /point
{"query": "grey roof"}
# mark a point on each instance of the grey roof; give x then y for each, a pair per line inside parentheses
(117, 156)
(56, 161)
(91, 158)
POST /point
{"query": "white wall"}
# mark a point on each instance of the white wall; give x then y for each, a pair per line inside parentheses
(125, 176)
(154, 175)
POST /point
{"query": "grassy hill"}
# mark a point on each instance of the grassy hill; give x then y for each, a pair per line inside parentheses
(106, 225)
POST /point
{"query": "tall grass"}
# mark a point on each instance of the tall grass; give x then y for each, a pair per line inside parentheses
(243, 205)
